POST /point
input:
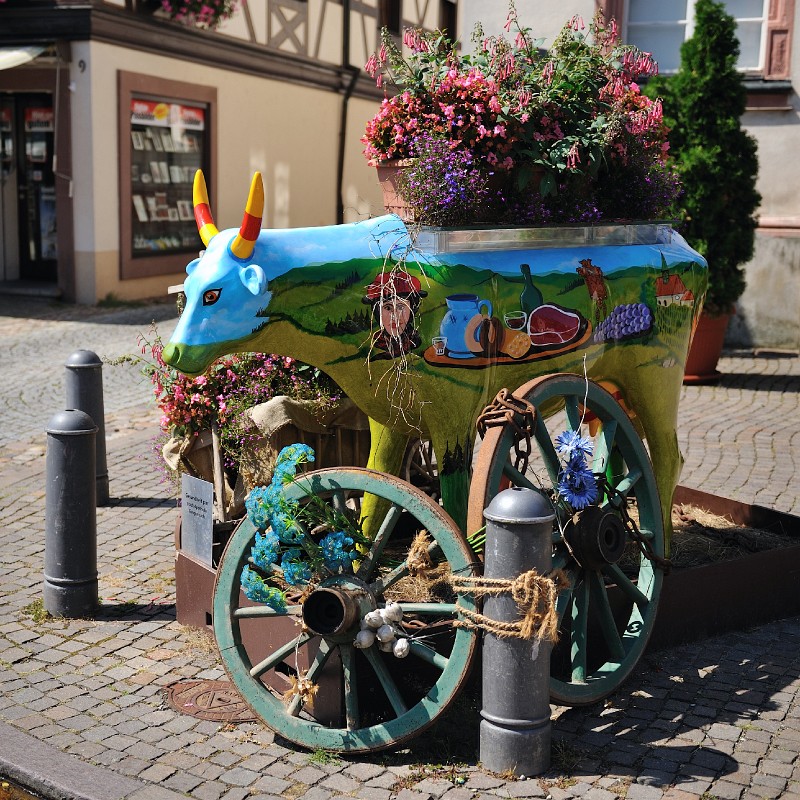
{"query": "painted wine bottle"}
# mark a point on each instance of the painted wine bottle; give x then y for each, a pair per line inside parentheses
(531, 297)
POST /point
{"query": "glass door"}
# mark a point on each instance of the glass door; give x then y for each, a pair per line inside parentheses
(36, 187)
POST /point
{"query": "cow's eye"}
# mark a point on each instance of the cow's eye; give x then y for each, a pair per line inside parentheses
(211, 296)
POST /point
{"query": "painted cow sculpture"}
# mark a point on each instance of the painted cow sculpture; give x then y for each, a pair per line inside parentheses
(422, 339)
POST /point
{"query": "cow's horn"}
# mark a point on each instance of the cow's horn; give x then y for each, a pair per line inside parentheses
(202, 213)
(242, 246)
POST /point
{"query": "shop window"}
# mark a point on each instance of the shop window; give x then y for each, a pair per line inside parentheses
(166, 135)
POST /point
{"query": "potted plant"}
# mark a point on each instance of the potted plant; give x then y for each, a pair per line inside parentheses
(515, 134)
(717, 163)
(199, 13)
(223, 398)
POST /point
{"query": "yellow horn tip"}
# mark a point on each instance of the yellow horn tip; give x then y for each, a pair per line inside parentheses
(255, 201)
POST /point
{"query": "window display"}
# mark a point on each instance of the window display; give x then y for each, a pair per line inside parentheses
(169, 143)
(167, 132)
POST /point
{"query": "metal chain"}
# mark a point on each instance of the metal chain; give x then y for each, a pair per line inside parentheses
(519, 415)
(645, 547)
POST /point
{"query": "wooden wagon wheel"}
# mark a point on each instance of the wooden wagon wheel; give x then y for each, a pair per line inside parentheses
(607, 613)
(382, 700)
(420, 467)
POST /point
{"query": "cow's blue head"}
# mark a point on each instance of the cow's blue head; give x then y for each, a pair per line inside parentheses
(226, 289)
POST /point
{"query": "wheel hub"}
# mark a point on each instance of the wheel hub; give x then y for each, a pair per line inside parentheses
(335, 608)
(598, 538)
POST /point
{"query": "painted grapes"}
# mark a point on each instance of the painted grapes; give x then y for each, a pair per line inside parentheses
(625, 322)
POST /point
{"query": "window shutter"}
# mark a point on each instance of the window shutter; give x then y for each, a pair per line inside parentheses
(777, 62)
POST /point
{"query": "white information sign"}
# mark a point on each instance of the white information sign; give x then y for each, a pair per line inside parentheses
(197, 520)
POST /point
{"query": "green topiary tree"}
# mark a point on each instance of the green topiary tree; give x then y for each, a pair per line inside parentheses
(714, 157)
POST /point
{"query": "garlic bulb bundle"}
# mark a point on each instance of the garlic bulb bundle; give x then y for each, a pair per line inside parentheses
(364, 639)
(392, 613)
(401, 648)
(374, 619)
(385, 633)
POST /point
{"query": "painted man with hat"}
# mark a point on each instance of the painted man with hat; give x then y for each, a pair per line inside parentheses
(394, 296)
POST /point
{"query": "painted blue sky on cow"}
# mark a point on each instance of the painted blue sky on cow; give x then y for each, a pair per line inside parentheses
(243, 285)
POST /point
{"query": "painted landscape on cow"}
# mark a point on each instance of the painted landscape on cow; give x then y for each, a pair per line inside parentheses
(422, 336)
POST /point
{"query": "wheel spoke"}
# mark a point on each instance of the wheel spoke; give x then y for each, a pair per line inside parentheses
(386, 681)
(320, 659)
(429, 655)
(430, 609)
(275, 658)
(339, 501)
(573, 412)
(347, 652)
(626, 585)
(580, 619)
(250, 612)
(379, 542)
(603, 444)
(547, 449)
(518, 479)
(625, 485)
(607, 623)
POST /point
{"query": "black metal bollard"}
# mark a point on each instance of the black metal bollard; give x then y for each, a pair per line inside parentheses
(70, 549)
(515, 729)
(84, 385)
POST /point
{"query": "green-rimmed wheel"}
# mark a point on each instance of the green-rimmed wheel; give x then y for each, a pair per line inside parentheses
(611, 550)
(354, 700)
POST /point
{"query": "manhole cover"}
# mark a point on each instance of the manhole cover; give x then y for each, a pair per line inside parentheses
(217, 701)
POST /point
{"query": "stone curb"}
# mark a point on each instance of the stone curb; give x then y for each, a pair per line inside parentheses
(54, 775)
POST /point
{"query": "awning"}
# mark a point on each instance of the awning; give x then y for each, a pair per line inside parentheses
(16, 56)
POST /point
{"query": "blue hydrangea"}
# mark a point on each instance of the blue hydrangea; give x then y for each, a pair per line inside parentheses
(260, 504)
(576, 483)
(335, 556)
(290, 457)
(571, 443)
(295, 570)
(265, 550)
(256, 590)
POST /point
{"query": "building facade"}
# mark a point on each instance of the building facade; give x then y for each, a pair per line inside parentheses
(768, 314)
(107, 107)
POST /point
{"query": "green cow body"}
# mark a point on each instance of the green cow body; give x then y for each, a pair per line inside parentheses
(421, 329)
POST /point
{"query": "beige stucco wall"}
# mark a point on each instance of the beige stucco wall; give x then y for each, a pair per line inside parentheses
(544, 19)
(287, 131)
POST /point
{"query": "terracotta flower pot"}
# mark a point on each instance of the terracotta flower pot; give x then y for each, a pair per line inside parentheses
(388, 177)
(705, 350)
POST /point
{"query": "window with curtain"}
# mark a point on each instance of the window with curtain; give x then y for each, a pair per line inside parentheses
(660, 28)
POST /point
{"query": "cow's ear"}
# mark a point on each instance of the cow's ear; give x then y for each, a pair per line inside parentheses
(191, 266)
(254, 279)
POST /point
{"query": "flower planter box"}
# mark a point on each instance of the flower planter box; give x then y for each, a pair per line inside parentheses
(699, 602)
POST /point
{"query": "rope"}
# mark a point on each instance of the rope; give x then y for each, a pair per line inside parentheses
(419, 560)
(534, 594)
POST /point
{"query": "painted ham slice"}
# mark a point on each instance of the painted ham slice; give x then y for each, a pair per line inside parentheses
(550, 324)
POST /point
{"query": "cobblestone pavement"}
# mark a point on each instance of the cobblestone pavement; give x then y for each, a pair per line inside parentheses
(714, 719)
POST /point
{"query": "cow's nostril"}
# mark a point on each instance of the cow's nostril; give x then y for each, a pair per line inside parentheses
(171, 354)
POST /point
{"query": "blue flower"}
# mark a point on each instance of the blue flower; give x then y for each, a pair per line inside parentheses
(289, 458)
(576, 483)
(260, 504)
(256, 590)
(295, 570)
(570, 443)
(335, 556)
(265, 550)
